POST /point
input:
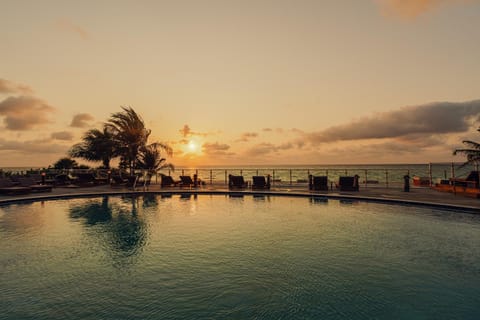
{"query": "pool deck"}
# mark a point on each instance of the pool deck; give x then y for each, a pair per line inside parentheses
(416, 196)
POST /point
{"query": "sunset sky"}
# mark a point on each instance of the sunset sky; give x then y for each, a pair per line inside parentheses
(244, 82)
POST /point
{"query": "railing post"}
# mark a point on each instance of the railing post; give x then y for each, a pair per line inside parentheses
(183, 172)
(386, 178)
(430, 173)
(290, 176)
(273, 177)
(453, 179)
(225, 177)
(366, 177)
(211, 177)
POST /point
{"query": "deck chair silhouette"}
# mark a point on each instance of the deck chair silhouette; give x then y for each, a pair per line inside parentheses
(259, 182)
(348, 183)
(186, 181)
(318, 183)
(32, 184)
(167, 181)
(471, 181)
(7, 186)
(236, 182)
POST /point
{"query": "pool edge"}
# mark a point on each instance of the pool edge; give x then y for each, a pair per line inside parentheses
(406, 202)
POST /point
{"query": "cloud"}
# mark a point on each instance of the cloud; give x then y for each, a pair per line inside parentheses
(62, 135)
(81, 120)
(24, 112)
(264, 148)
(411, 9)
(216, 149)
(44, 146)
(186, 131)
(73, 29)
(247, 136)
(7, 86)
(428, 119)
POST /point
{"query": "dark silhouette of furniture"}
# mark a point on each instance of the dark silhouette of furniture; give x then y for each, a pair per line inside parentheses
(64, 179)
(236, 182)
(318, 183)
(85, 179)
(144, 181)
(471, 181)
(29, 182)
(348, 183)
(167, 181)
(7, 186)
(187, 181)
(132, 181)
(118, 181)
(259, 182)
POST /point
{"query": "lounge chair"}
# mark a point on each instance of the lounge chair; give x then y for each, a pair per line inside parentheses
(85, 179)
(132, 181)
(29, 182)
(236, 182)
(471, 181)
(167, 181)
(63, 179)
(348, 183)
(259, 182)
(7, 186)
(318, 183)
(144, 181)
(117, 181)
(186, 181)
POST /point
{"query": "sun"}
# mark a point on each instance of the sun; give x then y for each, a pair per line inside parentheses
(192, 148)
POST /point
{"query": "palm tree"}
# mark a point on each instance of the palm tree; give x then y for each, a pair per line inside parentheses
(65, 163)
(129, 133)
(472, 152)
(97, 145)
(150, 157)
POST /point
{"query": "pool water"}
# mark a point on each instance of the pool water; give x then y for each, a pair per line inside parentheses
(221, 257)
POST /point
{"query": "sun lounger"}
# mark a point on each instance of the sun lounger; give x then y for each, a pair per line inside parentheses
(85, 179)
(117, 181)
(144, 181)
(35, 187)
(167, 181)
(7, 186)
(186, 181)
(64, 179)
(471, 181)
(236, 182)
(318, 183)
(348, 183)
(259, 182)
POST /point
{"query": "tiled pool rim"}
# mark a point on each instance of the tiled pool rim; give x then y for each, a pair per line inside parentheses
(382, 200)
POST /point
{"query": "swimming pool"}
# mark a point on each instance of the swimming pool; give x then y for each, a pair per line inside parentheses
(221, 257)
